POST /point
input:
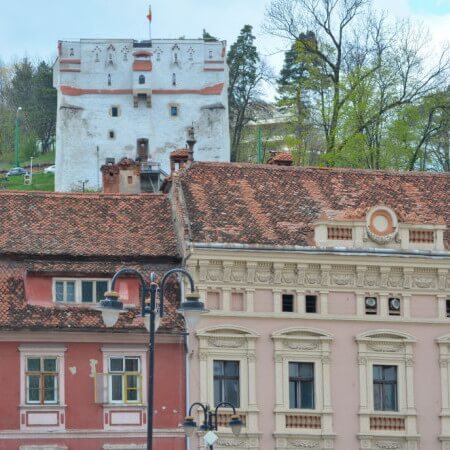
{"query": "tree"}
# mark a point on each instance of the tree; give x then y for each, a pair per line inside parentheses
(246, 74)
(356, 51)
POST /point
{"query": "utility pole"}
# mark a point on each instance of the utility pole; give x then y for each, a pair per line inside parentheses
(17, 136)
(259, 145)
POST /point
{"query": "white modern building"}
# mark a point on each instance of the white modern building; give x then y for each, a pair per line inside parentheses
(123, 98)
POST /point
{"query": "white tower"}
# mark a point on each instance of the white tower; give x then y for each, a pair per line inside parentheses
(122, 98)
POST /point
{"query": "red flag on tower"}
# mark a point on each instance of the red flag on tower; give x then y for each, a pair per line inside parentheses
(149, 16)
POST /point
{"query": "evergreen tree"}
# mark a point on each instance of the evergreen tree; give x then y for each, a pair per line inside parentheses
(246, 72)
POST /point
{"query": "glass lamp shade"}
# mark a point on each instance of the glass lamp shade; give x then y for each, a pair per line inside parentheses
(110, 308)
(189, 426)
(191, 309)
(235, 424)
(147, 320)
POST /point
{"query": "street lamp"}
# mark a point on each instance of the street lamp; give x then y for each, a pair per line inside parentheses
(210, 422)
(17, 135)
(111, 307)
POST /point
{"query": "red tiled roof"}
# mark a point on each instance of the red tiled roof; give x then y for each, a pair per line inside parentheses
(275, 205)
(15, 313)
(180, 152)
(74, 225)
(282, 156)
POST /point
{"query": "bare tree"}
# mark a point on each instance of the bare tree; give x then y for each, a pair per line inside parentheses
(358, 51)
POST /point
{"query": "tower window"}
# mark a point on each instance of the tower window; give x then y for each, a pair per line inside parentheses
(287, 303)
(109, 79)
(141, 79)
(174, 111)
(174, 80)
(311, 303)
(111, 134)
(210, 54)
(114, 111)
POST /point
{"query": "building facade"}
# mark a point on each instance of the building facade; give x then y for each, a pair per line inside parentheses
(123, 98)
(329, 298)
(67, 381)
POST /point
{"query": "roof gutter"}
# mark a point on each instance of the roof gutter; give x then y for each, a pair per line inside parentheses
(322, 250)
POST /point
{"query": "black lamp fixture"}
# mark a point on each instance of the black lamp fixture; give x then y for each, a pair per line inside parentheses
(210, 420)
(111, 307)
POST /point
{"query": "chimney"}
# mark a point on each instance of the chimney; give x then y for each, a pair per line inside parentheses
(280, 158)
(179, 159)
(191, 142)
(121, 178)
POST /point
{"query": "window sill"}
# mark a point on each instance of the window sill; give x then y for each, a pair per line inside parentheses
(44, 406)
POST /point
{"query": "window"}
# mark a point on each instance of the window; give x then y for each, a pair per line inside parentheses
(447, 307)
(174, 80)
(79, 291)
(65, 291)
(109, 79)
(394, 306)
(226, 382)
(287, 303)
(174, 111)
(115, 111)
(210, 54)
(111, 134)
(41, 380)
(141, 79)
(311, 303)
(301, 385)
(371, 305)
(385, 388)
(125, 383)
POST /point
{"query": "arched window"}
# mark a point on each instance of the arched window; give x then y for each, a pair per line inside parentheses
(109, 79)
(141, 79)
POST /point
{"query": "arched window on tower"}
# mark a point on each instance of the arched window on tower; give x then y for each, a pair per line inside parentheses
(174, 80)
(109, 79)
(141, 79)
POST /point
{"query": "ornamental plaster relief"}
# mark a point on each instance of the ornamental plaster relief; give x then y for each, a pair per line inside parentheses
(216, 272)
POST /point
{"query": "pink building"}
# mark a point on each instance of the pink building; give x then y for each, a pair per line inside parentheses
(66, 381)
(329, 292)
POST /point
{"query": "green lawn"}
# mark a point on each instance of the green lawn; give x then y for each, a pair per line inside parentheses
(8, 161)
(40, 182)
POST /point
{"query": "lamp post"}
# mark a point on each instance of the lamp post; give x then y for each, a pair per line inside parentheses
(209, 424)
(191, 308)
(17, 135)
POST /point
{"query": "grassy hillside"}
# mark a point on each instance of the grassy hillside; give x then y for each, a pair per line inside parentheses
(40, 182)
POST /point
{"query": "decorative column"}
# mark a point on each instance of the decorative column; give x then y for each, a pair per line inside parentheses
(249, 300)
(226, 299)
(277, 300)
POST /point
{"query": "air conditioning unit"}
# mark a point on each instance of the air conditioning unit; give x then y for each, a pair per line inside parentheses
(371, 305)
(394, 306)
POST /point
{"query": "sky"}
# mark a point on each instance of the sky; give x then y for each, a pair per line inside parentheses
(32, 28)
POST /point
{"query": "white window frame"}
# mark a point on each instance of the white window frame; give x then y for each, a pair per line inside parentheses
(303, 345)
(78, 289)
(117, 350)
(124, 373)
(393, 348)
(42, 351)
(41, 374)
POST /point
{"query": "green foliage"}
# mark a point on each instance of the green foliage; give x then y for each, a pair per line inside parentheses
(40, 182)
(30, 88)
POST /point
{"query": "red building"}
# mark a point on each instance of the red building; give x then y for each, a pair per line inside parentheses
(66, 381)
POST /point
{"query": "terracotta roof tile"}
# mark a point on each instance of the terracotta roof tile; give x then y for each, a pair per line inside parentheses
(125, 226)
(15, 313)
(277, 205)
(180, 152)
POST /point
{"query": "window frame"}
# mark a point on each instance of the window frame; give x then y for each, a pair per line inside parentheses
(383, 383)
(298, 380)
(131, 351)
(78, 291)
(223, 378)
(125, 375)
(42, 351)
(42, 374)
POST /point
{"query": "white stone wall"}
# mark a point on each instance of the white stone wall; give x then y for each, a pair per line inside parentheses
(102, 72)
